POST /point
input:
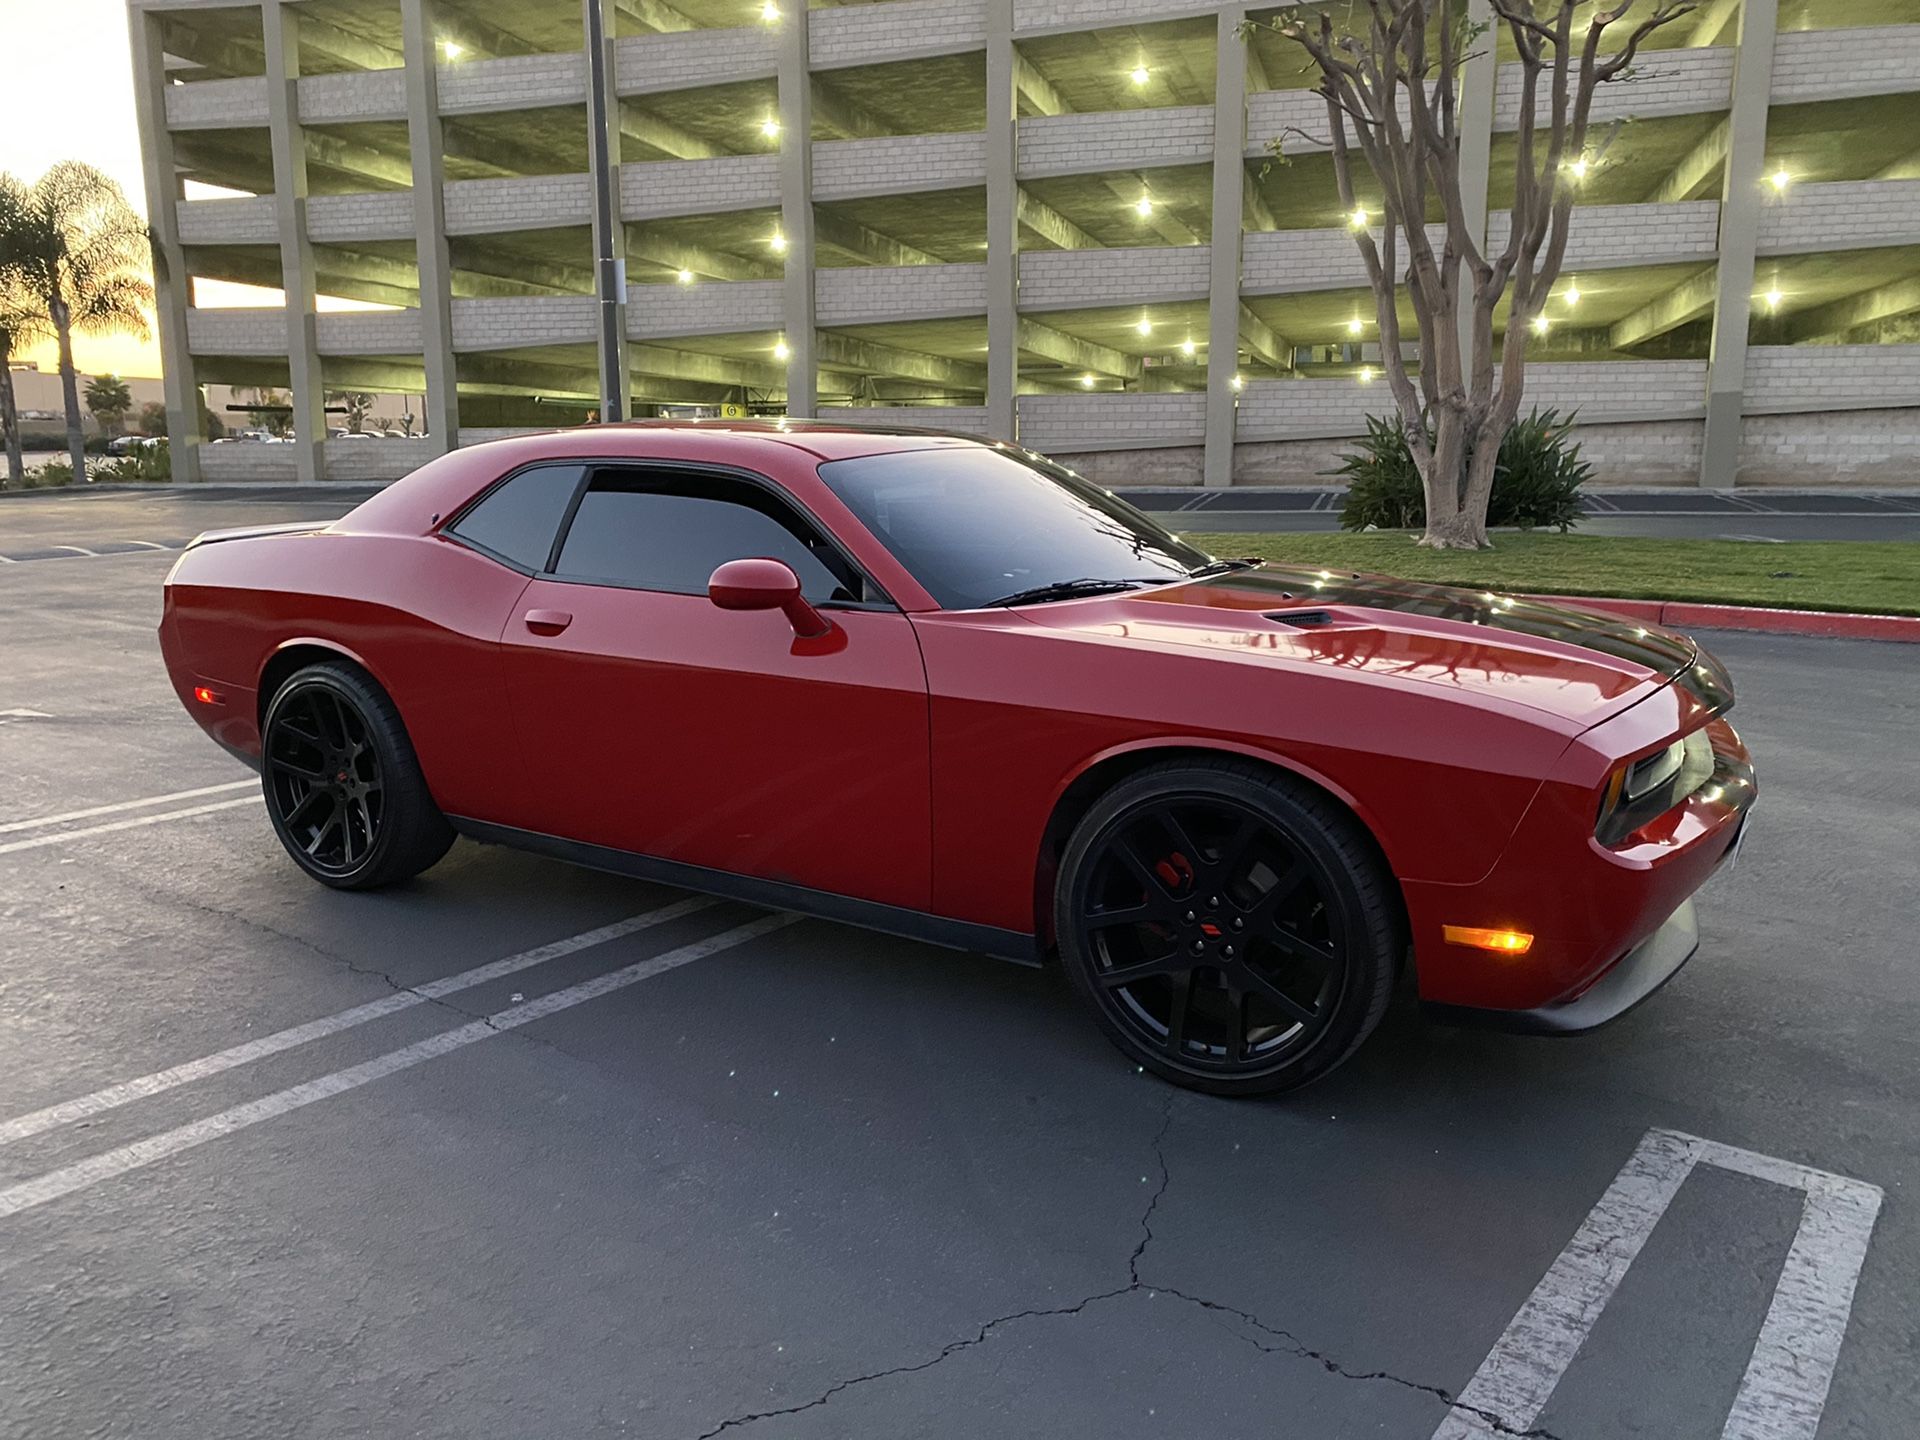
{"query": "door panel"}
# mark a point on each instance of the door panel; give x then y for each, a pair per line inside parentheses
(657, 723)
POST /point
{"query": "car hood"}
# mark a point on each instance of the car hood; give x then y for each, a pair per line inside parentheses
(1578, 665)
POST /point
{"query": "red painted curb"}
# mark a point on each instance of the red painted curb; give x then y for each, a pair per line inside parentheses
(1685, 613)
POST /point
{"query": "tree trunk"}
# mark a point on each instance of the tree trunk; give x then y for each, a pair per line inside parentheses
(1452, 523)
(1455, 530)
(70, 392)
(10, 421)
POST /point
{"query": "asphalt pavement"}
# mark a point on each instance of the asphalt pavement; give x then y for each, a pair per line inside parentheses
(277, 1161)
(70, 525)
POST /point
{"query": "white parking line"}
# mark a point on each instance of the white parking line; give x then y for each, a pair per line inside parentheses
(35, 842)
(92, 810)
(92, 554)
(1784, 1390)
(126, 1091)
(144, 544)
(141, 1153)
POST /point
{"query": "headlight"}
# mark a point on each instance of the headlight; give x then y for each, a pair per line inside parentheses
(1647, 788)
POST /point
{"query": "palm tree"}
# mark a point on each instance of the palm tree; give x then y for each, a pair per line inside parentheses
(22, 322)
(81, 251)
(109, 399)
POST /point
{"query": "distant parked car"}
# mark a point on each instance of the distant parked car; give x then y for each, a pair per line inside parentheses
(127, 444)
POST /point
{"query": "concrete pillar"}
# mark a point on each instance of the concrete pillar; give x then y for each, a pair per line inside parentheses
(1003, 226)
(172, 289)
(1229, 200)
(796, 208)
(1740, 202)
(281, 28)
(421, 48)
(609, 230)
(1474, 115)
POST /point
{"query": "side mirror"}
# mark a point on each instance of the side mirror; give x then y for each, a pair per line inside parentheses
(766, 585)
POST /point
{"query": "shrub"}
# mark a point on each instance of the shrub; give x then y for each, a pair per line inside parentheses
(53, 473)
(147, 462)
(1536, 477)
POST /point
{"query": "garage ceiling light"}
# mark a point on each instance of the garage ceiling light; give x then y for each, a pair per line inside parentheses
(452, 49)
(1780, 179)
(770, 128)
(1354, 326)
(1541, 324)
(1358, 219)
(781, 350)
(1086, 382)
(1140, 75)
(1189, 349)
(686, 277)
(1143, 207)
(778, 242)
(770, 13)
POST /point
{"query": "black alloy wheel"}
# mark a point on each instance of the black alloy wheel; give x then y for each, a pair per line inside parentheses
(342, 785)
(1233, 933)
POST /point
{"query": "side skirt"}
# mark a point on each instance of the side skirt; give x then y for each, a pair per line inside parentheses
(773, 894)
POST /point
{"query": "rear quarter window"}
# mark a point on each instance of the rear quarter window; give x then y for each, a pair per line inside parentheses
(519, 518)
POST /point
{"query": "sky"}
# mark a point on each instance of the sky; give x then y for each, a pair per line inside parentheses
(66, 93)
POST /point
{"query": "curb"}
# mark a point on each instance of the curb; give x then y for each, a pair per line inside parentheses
(1687, 614)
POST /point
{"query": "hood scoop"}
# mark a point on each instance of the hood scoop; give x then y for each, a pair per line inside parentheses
(1301, 619)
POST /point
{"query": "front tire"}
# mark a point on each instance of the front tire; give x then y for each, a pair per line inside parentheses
(1232, 932)
(343, 787)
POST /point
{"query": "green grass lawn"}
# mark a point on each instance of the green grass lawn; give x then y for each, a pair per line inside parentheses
(1878, 576)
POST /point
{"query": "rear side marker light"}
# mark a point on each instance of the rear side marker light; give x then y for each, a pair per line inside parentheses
(207, 696)
(1501, 942)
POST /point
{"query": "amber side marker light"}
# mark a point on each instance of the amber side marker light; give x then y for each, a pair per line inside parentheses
(1501, 942)
(207, 696)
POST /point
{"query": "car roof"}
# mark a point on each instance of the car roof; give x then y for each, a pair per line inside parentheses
(824, 439)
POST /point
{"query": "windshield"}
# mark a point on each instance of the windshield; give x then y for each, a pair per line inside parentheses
(975, 526)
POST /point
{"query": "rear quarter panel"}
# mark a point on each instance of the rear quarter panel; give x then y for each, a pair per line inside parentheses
(421, 614)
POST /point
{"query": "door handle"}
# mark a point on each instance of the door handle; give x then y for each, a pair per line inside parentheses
(548, 622)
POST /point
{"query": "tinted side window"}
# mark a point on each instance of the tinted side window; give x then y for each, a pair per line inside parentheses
(672, 534)
(519, 520)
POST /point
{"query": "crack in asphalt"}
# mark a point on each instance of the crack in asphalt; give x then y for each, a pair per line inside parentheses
(1288, 1345)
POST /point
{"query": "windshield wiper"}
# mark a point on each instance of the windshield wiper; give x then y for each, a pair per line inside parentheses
(1067, 590)
(1223, 567)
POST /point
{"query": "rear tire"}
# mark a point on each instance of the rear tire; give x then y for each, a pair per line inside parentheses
(1232, 932)
(342, 783)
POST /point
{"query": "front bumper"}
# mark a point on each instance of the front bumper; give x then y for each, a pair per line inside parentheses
(1608, 921)
(1640, 972)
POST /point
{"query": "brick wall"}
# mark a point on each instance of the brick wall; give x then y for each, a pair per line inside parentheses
(513, 321)
(482, 207)
(1071, 423)
(1834, 64)
(518, 82)
(1117, 469)
(1073, 279)
(245, 460)
(897, 164)
(248, 221)
(1115, 140)
(1281, 261)
(368, 332)
(1840, 215)
(380, 458)
(217, 104)
(237, 332)
(1277, 409)
(376, 215)
(1604, 235)
(1869, 448)
(657, 189)
(687, 59)
(1645, 452)
(1618, 389)
(1665, 82)
(873, 294)
(1271, 113)
(1094, 14)
(898, 30)
(708, 307)
(1832, 377)
(353, 95)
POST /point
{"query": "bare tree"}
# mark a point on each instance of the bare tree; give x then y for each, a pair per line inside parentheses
(1389, 71)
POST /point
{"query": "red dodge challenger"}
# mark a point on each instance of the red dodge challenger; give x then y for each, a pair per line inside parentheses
(941, 687)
